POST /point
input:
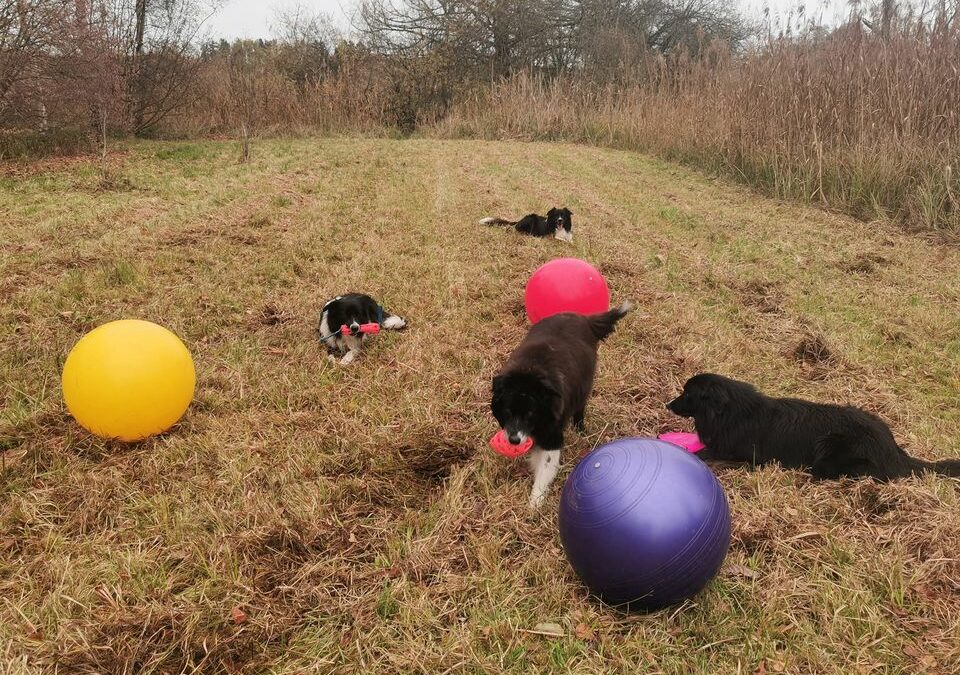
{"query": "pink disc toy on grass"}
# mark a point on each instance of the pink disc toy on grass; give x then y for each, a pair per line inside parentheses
(687, 441)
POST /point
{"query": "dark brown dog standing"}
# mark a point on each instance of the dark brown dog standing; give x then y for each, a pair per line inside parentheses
(546, 383)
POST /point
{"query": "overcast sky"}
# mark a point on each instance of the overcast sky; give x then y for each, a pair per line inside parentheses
(253, 18)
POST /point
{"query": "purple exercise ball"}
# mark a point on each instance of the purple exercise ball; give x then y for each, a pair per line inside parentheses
(644, 523)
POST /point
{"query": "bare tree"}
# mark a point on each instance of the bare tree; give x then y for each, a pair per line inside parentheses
(29, 30)
(482, 37)
(155, 41)
(499, 37)
(58, 58)
(244, 67)
(304, 46)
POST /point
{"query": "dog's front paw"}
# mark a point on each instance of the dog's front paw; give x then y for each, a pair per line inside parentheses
(394, 323)
(332, 358)
(348, 358)
(536, 500)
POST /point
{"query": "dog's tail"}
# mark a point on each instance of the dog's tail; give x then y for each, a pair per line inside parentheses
(945, 467)
(497, 221)
(603, 324)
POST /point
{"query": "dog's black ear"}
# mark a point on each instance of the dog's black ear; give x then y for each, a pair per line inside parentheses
(551, 403)
(548, 429)
(371, 311)
(497, 384)
(498, 388)
(716, 394)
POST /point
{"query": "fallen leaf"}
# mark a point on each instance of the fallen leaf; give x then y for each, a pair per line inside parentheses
(548, 629)
(761, 669)
(741, 571)
(585, 632)
(238, 616)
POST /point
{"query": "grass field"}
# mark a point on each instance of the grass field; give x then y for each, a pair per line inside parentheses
(311, 518)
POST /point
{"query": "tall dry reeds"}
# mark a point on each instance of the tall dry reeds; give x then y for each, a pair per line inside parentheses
(268, 102)
(846, 119)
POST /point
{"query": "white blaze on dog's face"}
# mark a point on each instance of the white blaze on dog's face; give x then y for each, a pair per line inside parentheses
(514, 410)
(562, 220)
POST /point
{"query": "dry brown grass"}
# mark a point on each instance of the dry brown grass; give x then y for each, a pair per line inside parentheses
(848, 121)
(306, 518)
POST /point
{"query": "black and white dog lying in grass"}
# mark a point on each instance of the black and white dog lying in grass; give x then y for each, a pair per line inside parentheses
(736, 422)
(348, 320)
(559, 223)
(546, 383)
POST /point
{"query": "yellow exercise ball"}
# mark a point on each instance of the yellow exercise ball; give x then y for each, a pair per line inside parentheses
(129, 380)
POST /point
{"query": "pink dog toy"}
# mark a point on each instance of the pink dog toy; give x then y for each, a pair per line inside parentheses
(501, 445)
(372, 328)
(689, 442)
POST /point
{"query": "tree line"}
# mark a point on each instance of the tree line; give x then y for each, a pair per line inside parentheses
(139, 66)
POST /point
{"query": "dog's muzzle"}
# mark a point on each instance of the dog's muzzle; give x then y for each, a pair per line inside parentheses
(677, 407)
(516, 437)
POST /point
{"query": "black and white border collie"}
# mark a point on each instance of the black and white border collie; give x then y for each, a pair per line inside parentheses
(736, 422)
(545, 384)
(353, 310)
(559, 223)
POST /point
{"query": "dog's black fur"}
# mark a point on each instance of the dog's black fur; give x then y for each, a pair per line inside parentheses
(353, 310)
(737, 422)
(548, 378)
(558, 222)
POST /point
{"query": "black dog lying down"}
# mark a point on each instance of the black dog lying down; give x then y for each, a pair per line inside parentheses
(737, 422)
(559, 223)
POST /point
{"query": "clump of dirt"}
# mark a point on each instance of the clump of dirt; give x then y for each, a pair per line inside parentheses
(762, 295)
(615, 270)
(864, 263)
(814, 356)
(517, 308)
(271, 315)
(433, 465)
(812, 350)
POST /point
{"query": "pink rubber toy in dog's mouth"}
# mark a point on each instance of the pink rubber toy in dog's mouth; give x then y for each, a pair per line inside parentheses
(502, 446)
(687, 441)
(372, 328)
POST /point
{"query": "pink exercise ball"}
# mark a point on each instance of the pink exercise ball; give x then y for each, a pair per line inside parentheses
(565, 285)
